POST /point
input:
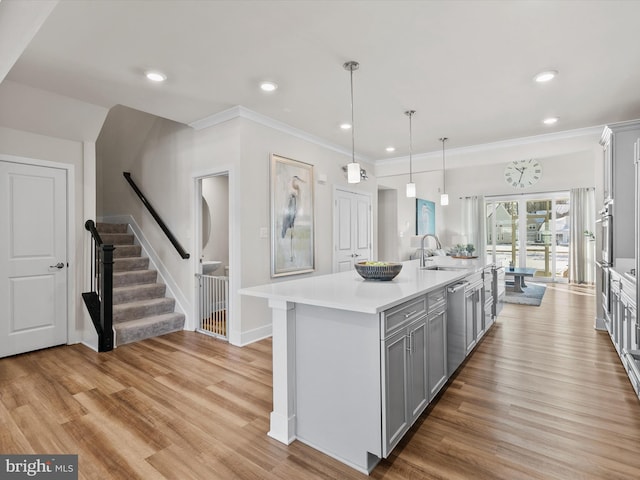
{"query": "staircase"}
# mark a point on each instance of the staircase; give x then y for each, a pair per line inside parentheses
(140, 308)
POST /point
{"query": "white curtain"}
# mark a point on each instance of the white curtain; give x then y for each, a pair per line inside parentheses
(474, 223)
(582, 246)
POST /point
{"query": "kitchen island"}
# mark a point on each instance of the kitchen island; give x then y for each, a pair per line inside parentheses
(356, 361)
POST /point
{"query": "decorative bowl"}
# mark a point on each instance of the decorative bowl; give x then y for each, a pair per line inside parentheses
(383, 271)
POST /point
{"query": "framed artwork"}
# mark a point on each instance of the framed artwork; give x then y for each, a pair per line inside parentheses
(292, 217)
(425, 217)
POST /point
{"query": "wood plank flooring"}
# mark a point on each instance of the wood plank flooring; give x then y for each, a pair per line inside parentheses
(544, 396)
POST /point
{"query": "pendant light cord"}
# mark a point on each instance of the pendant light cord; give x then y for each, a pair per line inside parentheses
(444, 184)
(353, 126)
(409, 113)
(410, 148)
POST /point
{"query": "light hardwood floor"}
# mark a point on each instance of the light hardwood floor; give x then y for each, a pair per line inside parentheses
(544, 396)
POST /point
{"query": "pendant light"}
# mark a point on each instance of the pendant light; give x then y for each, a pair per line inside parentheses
(411, 187)
(353, 169)
(444, 198)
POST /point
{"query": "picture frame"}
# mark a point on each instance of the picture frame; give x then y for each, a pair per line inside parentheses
(292, 217)
(425, 217)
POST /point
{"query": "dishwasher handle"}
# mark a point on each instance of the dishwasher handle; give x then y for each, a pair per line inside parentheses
(457, 287)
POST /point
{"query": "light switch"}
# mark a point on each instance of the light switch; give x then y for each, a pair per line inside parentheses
(264, 232)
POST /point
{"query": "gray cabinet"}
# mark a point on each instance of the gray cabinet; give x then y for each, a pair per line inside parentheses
(396, 384)
(619, 185)
(437, 350)
(474, 327)
(406, 371)
(418, 368)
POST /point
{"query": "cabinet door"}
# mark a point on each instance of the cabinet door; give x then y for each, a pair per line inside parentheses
(418, 367)
(396, 389)
(470, 322)
(437, 351)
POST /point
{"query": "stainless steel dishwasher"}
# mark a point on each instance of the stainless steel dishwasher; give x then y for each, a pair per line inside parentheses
(456, 320)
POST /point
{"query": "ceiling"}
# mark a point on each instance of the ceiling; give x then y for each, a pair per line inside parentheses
(466, 67)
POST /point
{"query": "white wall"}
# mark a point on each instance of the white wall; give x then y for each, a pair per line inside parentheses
(568, 161)
(387, 225)
(166, 158)
(31, 146)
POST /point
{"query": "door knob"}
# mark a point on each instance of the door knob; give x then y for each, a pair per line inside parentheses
(57, 265)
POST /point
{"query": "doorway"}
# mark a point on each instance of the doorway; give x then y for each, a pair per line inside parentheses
(33, 257)
(531, 232)
(212, 271)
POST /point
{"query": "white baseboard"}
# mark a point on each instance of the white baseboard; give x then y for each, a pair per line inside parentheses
(242, 339)
(173, 291)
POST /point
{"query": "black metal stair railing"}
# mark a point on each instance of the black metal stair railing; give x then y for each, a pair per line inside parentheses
(181, 251)
(99, 298)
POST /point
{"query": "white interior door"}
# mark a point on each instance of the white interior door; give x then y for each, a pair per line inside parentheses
(352, 229)
(33, 257)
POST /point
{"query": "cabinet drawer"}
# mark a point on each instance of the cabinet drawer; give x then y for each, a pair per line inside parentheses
(436, 299)
(398, 316)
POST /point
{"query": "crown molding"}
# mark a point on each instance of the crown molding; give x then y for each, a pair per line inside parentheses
(242, 112)
(514, 142)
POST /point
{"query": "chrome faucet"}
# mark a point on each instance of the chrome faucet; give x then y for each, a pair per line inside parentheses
(438, 246)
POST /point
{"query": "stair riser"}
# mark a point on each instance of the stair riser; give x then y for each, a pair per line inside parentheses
(125, 312)
(125, 335)
(111, 227)
(133, 294)
(122, 279)
(116, 238)
(131, 264)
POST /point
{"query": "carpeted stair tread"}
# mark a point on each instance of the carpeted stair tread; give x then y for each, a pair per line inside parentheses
(142, 308)
(126, 251)
(112, 227)
(117, 238)
(134, 277)
(130, 263)
(148, 327)
(132, 293)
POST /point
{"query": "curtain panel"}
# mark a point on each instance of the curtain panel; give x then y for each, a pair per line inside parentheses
(474, 223)
(582, 228)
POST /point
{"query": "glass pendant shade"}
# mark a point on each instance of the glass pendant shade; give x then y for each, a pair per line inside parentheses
(353, 172)
(444, 199)
(411, 190)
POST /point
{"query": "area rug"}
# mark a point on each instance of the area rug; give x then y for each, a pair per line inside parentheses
(532, 295)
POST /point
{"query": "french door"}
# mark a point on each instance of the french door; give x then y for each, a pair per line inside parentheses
(530, 231)
(351, 229)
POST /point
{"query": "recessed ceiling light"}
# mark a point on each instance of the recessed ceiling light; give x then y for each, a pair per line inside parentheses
(268, 86)
(550, 120)
(155, 76)
(345, 126)
(390, 149)
(545, 76)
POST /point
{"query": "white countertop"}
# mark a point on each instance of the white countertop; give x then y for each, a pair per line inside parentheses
(349, 291)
